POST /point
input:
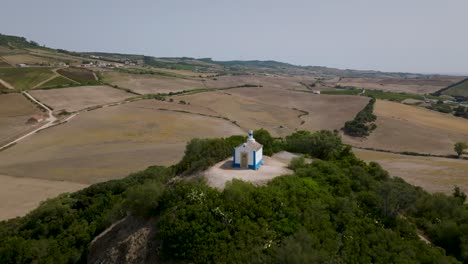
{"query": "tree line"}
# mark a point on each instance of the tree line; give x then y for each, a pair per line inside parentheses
(362, 125)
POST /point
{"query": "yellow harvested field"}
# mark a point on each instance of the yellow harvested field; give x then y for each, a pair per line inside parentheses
(77, 98)
(15, 110)
(324, 111)
(110, 143)
(248, 113)
(26, 59)
(18, 196)
(270, 81)
(431, 173)
(409, 128)
(151, 84)
(418, 86)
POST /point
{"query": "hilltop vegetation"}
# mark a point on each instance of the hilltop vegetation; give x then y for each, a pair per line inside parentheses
(17, 42)
(335, 209)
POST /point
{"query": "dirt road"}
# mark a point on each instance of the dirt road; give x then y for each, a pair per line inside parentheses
(7, 85)
(49, 122)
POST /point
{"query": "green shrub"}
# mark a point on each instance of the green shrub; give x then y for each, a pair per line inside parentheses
(359, 126)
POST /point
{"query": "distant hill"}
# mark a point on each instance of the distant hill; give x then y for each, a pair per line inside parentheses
(17, 42)
(208, 65)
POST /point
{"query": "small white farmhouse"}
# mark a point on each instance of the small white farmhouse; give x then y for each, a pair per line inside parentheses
(249, 154)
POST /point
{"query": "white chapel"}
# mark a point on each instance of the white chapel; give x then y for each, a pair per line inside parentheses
(248, 154)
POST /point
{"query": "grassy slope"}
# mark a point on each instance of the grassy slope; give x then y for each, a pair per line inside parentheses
(25, 78)
(460, 89)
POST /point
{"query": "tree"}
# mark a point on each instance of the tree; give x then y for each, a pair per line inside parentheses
(264, 138)
(460, 148)
(457, 193)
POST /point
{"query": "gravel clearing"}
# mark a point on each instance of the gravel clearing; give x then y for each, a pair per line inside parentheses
(221, 173)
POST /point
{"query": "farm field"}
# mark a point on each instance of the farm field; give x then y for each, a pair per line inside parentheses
(271, 81)
(25, 58)
(460, 89)
(14, 202)
(80, 75)
(248, 113)
(150, 84)
(77, 98)
(15, 110)
(417, 86)
(324, 111)
(25, 78)
(57, 82)
(110, 143)
(3, 63)
(431, 173)
(409, 128)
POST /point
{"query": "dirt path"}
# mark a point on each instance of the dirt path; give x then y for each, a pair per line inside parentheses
(48, 79)
(7, 85)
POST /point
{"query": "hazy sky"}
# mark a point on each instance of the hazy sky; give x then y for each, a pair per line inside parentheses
(392, 35)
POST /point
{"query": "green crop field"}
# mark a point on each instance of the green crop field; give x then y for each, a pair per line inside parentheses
(460, 89)
(24, 78)
(58, 82)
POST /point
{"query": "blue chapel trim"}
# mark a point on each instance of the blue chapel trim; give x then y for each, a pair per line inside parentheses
(255, 164)
(234, 157)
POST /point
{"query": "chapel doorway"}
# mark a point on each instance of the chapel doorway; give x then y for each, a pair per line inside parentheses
(244, 160)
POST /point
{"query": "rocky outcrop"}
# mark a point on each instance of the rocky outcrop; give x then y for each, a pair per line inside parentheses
(130, 240)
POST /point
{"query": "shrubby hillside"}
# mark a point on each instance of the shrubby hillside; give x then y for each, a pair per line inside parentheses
(337, 209)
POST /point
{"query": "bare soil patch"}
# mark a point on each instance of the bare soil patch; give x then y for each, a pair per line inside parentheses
(223, 172)
(18, 196)
(409, 128)
(431, 173)
(77, 74)
(110, 143)
(77, 98)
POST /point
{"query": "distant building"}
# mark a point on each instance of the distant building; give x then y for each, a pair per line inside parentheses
(35, 119)
(249, 154)
(316, 92)
(22, 65)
